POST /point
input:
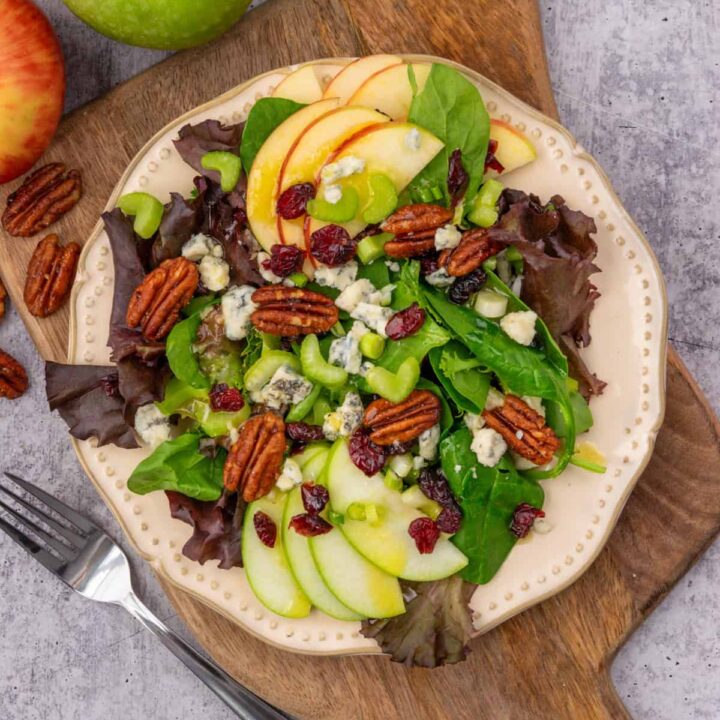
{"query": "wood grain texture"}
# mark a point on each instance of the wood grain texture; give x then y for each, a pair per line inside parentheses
(552, 661)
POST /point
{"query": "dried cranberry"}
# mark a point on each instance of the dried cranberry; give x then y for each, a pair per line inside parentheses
(303, 432)
(365, 454)
(429, 264)
(369, 231)
(226, 399)
(284, 260)
(449, 519)
(111, 385)
(435, 486)
(310, 525)
(292, 202)
(458, 178)
(332, 245)
(265, 528)
(398, 448)
(491, 162)
(461, 290)
(425, 533)
(523, 519)
(405, 323)
(314, 497)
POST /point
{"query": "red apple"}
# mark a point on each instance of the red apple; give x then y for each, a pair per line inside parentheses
(32, 86)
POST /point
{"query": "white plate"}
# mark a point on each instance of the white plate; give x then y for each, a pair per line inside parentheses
(628, 351)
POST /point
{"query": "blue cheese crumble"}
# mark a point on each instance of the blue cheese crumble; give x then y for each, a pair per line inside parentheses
(286, 387)
(488, 446)
(214, 272)
(349, 165)
(428, 443)
(200, 245)
(520, 326)
(447, 237)
(339, 278)
(290, 476)
(345, 351)
(237, 307)
(343, 421)
(152, 426)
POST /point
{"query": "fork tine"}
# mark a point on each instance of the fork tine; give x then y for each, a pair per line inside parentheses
(59, 507)
(61, 549)
(39, 553)
(72, 537)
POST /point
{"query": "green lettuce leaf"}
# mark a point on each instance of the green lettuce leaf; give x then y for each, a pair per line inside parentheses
(180, 466)
(451, 107)
(181, 358)
(488, 498)
(460, 374)
(265, 116)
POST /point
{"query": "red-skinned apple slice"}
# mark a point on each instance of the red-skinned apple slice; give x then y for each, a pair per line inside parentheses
(389, 90)
(265, 171)
(306, 84)
(32, 86)
(352, 76)
(513, 148)
(310, 152)
(388, 149)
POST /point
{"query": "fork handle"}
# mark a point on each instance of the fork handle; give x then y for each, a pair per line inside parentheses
(242, 701)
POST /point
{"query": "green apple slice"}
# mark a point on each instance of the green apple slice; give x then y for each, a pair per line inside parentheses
(265, 170)
(354, 581)
(514, 150)
(385, 542)
(352, 76)
(312, 150)
(267, 569)
(300, 559)
(304, 85)
(389, 90)
(399, 150)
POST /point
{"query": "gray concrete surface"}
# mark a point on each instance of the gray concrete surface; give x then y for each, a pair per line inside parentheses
(636, 81)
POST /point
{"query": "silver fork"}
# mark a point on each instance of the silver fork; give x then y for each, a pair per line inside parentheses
(88, 560)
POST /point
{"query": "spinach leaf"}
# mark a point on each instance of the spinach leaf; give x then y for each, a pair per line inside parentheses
(181, 357)
(178, 465)
(580, 410)
(554, 354)
(198, 304)
(376, 272)
(488, 498)
(521, 370)
(451, 107)
(459, 372)
(265, 116)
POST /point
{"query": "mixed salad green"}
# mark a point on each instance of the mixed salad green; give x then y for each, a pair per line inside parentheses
(381, 458)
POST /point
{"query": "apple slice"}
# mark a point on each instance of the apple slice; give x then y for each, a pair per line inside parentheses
(297, 550)
(266, 568)
(389, 90)
(357, 583)
(386, 149)
(385, 542)
(263, 177)
(352, 76)
(513, 147)
(311, 151)
(306, 84)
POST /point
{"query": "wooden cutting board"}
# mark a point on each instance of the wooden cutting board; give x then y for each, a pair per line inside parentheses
(552, 661)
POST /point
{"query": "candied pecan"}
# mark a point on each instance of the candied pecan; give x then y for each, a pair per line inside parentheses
(156, 303)
(3, 300)
(417, 218)
(44, 197)
(407, 246)
(254, 461)
(13, 378)
(292, 311)
(399, 422)
(474, 249)
(50, 275)
(523, 429)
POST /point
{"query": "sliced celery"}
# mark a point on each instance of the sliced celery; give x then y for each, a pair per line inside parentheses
(146, 209)
(342, 211)
(373, 247)
(394, 387)
(383, 198)
(372, 345)
(227, 164)
(316, 368)
(263, 369)
(302, 409)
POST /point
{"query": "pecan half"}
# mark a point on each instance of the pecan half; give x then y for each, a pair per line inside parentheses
(3, 300)
(414, 228)
(156, 304)
(44, 197)
(523, 429)
(292, 311)
(474, 249)
(50, 275)
(254, 461)
(399, 423)
(13, 378)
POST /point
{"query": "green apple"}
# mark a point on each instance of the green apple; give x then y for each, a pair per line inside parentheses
(514, 149)
(160, 24)
(266, 568)
(389, 90)
(385, 541)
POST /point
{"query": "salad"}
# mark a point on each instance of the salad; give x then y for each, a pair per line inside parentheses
(351, 350)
